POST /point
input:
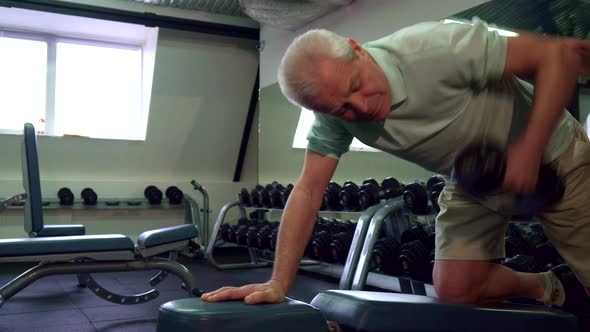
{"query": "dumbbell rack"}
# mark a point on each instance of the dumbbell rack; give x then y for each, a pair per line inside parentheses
(257, 256)
(190, 206)
(354, 274)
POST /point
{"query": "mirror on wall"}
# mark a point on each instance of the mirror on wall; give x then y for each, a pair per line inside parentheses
(278, 119)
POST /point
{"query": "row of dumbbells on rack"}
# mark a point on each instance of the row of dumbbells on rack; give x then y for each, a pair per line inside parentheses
(527, 247)
(527, 250)
(350, 196)
(151, 193)
(330, 241)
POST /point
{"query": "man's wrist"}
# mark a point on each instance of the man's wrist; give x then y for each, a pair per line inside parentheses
(282, 284)
(535, 143)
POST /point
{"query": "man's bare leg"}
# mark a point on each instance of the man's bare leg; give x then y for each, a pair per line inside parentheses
(464, 281)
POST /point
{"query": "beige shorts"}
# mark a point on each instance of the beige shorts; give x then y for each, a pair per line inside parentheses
(468, 229)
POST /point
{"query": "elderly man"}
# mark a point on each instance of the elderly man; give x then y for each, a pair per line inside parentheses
(423, 94)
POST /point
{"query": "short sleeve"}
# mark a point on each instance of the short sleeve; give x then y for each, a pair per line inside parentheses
(479, 54)
(328, 136)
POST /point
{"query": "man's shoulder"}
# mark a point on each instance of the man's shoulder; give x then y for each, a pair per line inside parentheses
(424, 37)
(410, 33)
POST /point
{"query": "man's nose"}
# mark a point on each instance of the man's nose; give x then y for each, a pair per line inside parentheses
(359, 104)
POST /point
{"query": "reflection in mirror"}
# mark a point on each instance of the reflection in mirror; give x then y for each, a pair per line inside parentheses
(283, 127)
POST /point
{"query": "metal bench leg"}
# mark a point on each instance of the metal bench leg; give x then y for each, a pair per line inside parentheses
(45, 269)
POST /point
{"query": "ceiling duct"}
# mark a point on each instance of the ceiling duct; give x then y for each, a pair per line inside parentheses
(289, 14)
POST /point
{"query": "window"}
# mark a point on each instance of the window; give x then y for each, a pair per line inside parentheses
(23, 67)
(68, 83)
(306, 117)
(105, 94)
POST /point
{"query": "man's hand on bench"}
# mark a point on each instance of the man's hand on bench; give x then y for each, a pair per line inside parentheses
(268, 292)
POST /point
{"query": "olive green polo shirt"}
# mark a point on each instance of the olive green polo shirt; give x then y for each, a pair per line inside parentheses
(447, 92)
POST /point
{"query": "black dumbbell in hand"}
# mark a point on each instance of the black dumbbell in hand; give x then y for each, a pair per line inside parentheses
(153, 195)
(480, 170)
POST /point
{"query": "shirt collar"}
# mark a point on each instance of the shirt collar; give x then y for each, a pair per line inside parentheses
(389, 63)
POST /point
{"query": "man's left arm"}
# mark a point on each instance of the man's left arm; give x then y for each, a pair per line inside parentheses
(554, 64)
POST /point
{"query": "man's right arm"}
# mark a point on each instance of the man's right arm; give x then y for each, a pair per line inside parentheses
(299, 216)
(295, 230)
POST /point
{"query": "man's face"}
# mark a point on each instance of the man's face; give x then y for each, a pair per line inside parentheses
(353, 91)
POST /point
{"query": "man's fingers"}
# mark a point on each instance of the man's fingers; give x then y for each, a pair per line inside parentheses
(266, 296)
(228, 293)
(215, 292)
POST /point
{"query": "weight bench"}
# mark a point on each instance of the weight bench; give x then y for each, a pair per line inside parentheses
(62, 249)
(363, 311)
(347, 311)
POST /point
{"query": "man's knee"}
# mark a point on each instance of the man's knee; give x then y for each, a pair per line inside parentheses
(460, 281)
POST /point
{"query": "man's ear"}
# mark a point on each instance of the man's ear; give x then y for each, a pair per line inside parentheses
(354, 44)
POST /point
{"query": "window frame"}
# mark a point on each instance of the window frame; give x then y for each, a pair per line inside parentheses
(50, 94)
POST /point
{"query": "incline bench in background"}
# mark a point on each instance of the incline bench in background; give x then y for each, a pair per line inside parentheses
(64, 249)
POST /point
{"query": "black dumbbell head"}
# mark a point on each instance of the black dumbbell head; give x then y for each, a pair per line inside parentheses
(332, 197)
(285, 194)
(385, 256)
(414, 257)
(416, 197)
(547, 256)
(148, 189)
(535, 238)
(522, 263)
(480, 168)
(244, 197)
(371, 181)
(434, 180)
(90, 197)
(369, 194)
(256, 195)
(514, 230)
(340, 246)
(263, 237)
(66, 196)
(349, 197)
(174, 195)
(516, 246)
(321, 246)
(392, 187)
(153, 195)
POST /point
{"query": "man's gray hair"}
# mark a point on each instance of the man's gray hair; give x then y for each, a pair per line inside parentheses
(296, 70)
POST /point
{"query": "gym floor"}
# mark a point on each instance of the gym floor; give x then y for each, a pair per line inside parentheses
(55, 303)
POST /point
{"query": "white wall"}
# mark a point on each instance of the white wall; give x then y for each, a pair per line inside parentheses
(200, 98)
(363, 20)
